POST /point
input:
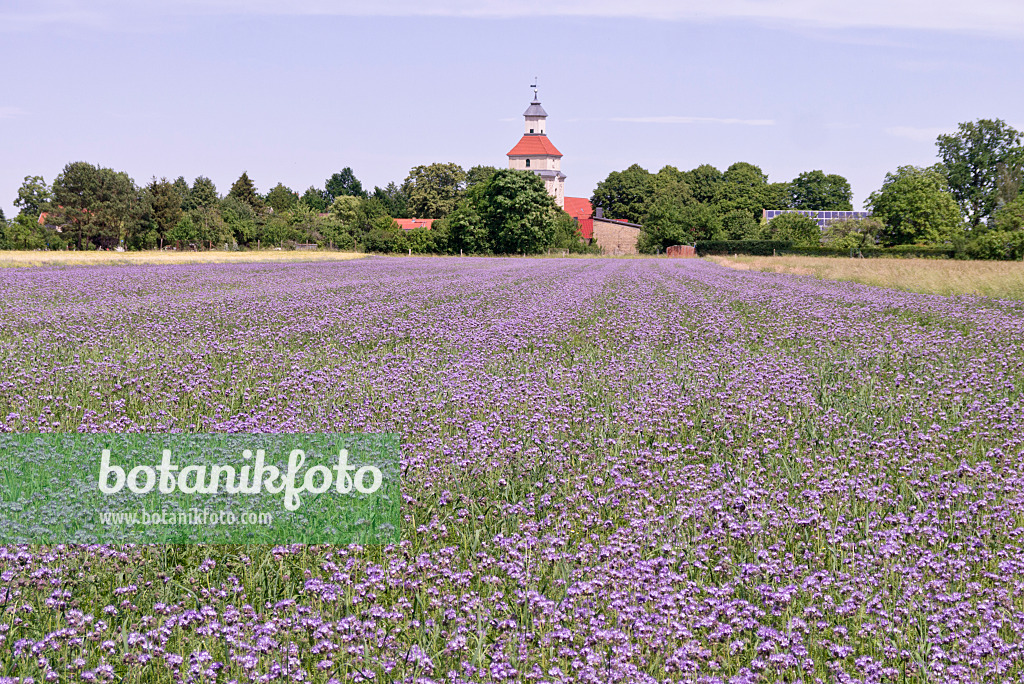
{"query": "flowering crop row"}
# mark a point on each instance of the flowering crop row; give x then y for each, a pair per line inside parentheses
(613, 471)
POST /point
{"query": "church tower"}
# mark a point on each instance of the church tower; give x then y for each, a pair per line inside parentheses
(534, 152)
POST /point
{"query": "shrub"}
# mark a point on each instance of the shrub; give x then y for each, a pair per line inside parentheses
(1003, 245)
(795, 228)
(852, 233)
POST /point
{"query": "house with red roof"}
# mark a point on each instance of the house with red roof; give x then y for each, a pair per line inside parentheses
(412, 224)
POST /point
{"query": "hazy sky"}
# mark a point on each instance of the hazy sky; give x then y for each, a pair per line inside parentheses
(294, 90)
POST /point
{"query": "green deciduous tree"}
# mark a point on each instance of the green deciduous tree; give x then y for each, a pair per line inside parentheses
(671, 182)
(316, 199)
(816, 190)
(625, 194)
(916, 207)
(510, 213)
(244, 191)
(703, 182)
(97, 204)
(518, 212)
(1010, 217)
(34, 196)
(979, 160)
(778, 196)
(342, 184)
(670, 223)
(1006, 238)
(743, 187)
(281, 198)
(370, 213)
(345, 209)
(434, 190)
(739, 225)
(478, 175)
(466, 231)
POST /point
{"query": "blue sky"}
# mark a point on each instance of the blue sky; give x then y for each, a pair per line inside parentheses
(294, 91)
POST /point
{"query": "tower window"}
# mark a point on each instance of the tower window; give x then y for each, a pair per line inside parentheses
(531, 130)
(527, 163)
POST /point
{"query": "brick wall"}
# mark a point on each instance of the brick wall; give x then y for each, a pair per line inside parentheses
(614, 237)
(681, 252)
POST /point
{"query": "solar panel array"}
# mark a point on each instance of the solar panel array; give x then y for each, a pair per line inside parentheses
(822, 218)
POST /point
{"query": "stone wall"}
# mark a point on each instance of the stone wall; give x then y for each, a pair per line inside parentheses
(615, 237)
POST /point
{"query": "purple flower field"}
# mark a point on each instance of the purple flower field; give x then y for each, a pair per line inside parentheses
(614, 471)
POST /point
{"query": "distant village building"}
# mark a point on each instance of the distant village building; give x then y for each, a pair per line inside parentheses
(822, 218)
(535, 152)
(613, 236)
(413, 223)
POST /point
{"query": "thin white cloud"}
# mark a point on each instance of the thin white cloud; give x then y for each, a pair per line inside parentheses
(917, 134)
(981, 16)
(694, 120)
(34, 16)
(11, 112)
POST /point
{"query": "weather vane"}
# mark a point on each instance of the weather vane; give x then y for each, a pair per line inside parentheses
(534, 86)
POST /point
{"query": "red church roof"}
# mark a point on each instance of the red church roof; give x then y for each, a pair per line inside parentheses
(534, 146)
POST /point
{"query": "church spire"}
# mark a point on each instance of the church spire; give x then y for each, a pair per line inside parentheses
(536, 117)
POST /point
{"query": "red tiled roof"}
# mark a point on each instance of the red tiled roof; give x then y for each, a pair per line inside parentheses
(534, 145)
(587, 228)
(578, 207)
(42, 217)
(409, 224)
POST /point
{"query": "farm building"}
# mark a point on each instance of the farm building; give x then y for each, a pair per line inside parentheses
(410, 224)
(613, 236)
(822, 218)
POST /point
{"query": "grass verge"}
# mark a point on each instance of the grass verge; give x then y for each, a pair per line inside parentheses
(929, 276)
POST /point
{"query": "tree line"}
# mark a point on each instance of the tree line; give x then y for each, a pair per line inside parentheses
(482, 211)
(970, 199)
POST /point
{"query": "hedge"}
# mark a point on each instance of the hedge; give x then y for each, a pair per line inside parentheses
(754, 247)
(772, 247)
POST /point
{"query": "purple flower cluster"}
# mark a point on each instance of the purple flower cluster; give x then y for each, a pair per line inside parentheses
(613, 471)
